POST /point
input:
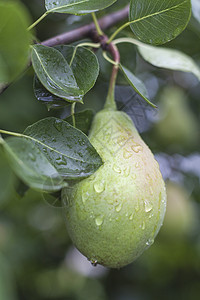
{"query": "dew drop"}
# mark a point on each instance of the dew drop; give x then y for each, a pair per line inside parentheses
(148, 205)
(117, 169)
(151, 190)
(137, 165)
(118, 207)
(131, 217)
(32, 157)
(58, 125)
(85, 196)
(127, 154)
(127, 171)
(94, 262)
(150, 242)
(137, 207)
(121, 141)
(99, 220)
(137, 148)
(150, 216)
(143, 225)
(60, 161)
(134, 176)
(99, 187)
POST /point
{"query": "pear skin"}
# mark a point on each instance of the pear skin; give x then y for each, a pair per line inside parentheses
(115, 214)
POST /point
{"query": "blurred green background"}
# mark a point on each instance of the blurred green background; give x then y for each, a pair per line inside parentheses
(37, 259)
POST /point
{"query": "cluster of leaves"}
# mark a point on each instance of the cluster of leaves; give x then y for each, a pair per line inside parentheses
(52, 151)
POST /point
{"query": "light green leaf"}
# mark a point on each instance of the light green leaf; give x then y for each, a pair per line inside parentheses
(136, 84)
(14, 40)
(55, 74)
(77, 6)
(159, 21)
(169, 59)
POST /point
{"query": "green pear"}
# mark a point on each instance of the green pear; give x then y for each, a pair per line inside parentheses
(178, 125)
(181, 217)
(115, 214)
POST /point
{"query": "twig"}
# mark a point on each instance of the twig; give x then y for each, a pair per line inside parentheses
(112, 49)
(84, 31)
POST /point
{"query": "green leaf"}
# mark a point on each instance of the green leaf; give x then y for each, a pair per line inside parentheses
(196, 9)
(44, 96)
(169, 59)
(31, 165)
(66, 148)
(84, 65)
(83, 120)
(136, 84)
(14, 40)
(77, 6)
(159, 21)
(55, 74)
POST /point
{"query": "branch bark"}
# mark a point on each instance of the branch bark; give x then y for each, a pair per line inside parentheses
(85, 31)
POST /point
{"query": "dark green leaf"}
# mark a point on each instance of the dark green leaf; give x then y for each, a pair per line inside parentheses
(84, 65)
(76, 6)
(55, 74)
(44, 96)
(137, 85)
(159, 21)
(14, 40)
(83, 120)
(66, 148)
(31, 165)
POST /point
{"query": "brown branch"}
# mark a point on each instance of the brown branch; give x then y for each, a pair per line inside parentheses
(82, 32)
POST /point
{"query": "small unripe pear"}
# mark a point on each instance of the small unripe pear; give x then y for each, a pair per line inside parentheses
(115, 214)
(178, 126)
(181, 216)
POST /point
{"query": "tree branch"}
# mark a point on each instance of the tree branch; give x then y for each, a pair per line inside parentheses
(85, 31)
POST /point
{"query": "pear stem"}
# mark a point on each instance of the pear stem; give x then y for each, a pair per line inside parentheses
(110, 101)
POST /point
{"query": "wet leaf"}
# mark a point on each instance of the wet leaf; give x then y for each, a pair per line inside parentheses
(77, 6)
(84, 65)
(159, 21)
(66, 148)
(55, 74)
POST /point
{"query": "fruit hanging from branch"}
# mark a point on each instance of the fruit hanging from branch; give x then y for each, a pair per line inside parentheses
(115, 214)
